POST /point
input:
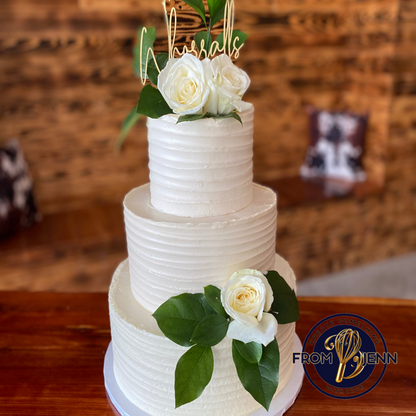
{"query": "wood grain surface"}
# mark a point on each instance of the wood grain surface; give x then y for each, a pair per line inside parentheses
(52, 348)
(67, 83)
(78, 250)
(71, 251)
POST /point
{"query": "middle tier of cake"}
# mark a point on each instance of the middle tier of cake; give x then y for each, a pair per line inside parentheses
(170, 255)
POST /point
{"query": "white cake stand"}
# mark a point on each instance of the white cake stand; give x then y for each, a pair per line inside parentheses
(278, 406)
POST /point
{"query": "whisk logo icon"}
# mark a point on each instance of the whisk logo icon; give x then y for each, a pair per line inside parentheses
(347, 345)
(345, 356)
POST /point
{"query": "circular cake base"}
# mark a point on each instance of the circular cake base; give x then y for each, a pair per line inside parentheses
(278, 407)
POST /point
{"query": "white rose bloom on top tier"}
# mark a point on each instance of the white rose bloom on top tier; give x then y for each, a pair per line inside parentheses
(203, 167)
(228, 85)
(247, 298)
(183, 86)
(191, 86)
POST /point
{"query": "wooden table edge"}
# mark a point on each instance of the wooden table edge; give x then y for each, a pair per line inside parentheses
(353, 300)
(356, 300)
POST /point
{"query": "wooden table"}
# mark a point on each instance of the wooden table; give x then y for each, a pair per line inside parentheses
(52, 348)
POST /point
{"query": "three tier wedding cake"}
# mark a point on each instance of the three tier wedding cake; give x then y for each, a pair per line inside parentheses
(203, 311)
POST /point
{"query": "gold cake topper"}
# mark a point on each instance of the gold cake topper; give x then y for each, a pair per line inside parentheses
(201, 95)
(231, 45)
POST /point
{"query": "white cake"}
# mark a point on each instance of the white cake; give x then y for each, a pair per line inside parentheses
(145, 360)
(200, 220)
(171, 255)
(201, 169)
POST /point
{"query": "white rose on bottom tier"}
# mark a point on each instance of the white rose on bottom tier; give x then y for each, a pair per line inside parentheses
(247, 298)
(227, 83)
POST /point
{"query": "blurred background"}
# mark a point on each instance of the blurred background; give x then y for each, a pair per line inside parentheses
(67, 83)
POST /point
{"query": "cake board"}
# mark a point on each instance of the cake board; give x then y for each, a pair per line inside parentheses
(280, 404)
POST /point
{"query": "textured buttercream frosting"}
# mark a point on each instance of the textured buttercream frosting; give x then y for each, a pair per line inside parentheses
(201, 168)
(145, 360)
(170, 255)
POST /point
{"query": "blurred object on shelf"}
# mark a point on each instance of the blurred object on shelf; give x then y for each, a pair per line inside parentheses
(17, 204)
(336, 148)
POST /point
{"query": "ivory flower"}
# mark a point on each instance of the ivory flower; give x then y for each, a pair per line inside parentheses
(183, 86)
(227, 86)
(247, 298)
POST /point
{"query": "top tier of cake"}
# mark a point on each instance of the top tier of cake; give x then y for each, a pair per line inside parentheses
(201, 168)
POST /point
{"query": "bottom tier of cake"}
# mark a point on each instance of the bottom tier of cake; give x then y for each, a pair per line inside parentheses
(145, 360)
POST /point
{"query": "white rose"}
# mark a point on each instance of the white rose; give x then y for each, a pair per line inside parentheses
(183, 86)
(247, 298)
(228, 85)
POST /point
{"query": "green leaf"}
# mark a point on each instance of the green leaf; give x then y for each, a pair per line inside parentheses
(251, 351)
(210, 331)
(213, 296)
(234, 115)
(197, 5)
(216, 11)
(190, 117)
(152, 104)
(236, 33)
(259, 379)
(193, 373)
(285, 306)
(203, 36)
(152, 72)
(193, 117)
(178, 316)
(126, 126)
(148, 39)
